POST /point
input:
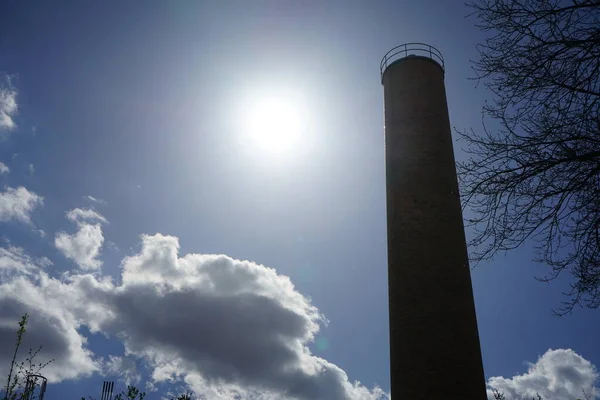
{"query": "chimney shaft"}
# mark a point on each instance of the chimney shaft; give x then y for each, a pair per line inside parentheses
(434, 341)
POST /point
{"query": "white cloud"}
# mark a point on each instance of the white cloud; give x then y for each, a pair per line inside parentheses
(83, 246)
(183, 316)
(557, 375)
(17, 204)
(124, 368)
(221, 326)
(8, 107)
(94, 199)
(112, 246)
(31, 169)
(81, 215)
(4, 168)
(51, 325)
(13, 260)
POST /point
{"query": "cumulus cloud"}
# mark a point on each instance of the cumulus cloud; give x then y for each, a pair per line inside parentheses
(83, 246)
(8, 106)
(17, 204)
(558, 374)
(224, 327)
(4, 168)
(202, 344)
(51, 325)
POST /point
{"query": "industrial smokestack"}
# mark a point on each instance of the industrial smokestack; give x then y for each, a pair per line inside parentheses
(434, 342)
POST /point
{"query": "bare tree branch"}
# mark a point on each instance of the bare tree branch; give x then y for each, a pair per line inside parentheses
(537, 177)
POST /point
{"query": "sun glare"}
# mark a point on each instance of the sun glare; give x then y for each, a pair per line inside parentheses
(274, 125)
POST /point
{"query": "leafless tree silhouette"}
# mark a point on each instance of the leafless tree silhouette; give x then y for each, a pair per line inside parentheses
(537, 176)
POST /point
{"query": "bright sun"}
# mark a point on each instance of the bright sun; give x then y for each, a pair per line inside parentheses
(275, 125)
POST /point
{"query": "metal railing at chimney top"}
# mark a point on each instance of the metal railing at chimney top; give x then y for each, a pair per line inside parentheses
(408, 49)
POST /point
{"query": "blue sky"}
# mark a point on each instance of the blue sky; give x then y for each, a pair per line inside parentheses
(139, 107)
